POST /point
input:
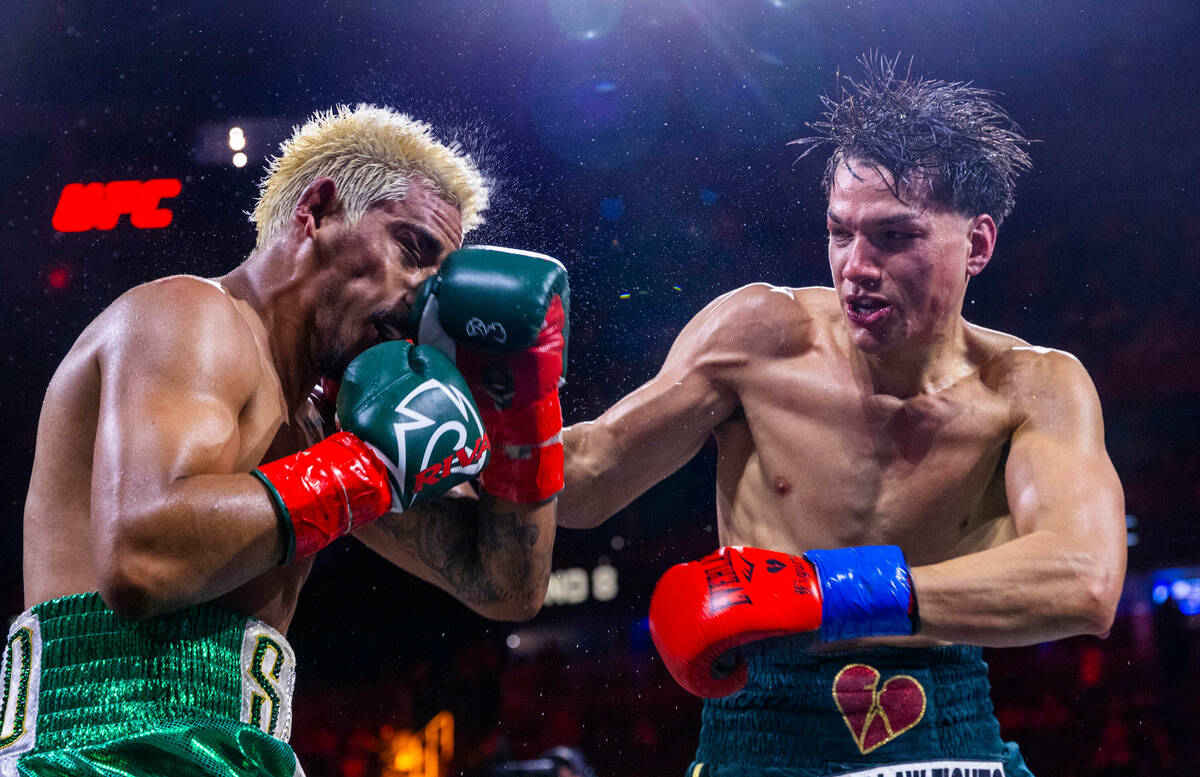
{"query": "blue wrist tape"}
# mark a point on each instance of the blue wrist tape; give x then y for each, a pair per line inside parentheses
(865, 591)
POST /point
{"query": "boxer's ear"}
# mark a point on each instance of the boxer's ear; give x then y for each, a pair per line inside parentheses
(982, 237)
(315, 203)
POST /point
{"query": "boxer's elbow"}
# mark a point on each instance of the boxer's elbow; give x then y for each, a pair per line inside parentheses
(134, 589)
(137, 581)
(518, 610)
(521, 602)
(1086, 600)
(1099, 596)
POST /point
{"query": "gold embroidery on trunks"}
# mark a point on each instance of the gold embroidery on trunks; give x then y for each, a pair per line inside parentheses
(876, 715)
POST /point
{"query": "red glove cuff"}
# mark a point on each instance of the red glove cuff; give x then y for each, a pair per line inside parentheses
(326, 491)
(534, 478)
(527, 453)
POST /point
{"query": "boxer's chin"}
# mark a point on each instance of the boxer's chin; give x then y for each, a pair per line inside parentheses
(332, 363)
(337, 355)
(870, 343)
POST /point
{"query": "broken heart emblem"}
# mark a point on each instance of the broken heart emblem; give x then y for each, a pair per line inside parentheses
(877, 714)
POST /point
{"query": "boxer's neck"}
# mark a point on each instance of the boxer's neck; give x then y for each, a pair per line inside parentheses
(273, 284)
(922, 368)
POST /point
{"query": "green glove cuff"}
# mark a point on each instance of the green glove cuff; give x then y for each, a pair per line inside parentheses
(285, 518)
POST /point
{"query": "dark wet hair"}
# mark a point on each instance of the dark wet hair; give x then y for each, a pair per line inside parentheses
(950, 138)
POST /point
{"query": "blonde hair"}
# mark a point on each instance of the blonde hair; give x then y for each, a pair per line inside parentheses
(372, 154)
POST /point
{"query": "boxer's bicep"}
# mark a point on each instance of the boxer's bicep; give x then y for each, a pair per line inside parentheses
(1061, 484)
(169, 407)
(1058, 475)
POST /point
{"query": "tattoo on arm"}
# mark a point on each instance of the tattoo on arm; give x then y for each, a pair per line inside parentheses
(485, 555)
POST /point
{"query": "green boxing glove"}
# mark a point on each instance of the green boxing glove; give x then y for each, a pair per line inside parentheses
(502, 315)
(410, 404)
(410, 432)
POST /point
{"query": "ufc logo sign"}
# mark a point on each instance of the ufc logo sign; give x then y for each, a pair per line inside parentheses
(82, 207)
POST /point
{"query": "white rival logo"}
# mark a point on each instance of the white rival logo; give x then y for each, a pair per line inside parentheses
(494, 330)
(413, 420)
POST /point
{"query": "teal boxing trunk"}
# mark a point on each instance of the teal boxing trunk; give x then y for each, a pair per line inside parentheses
(204, 691)
(883, 712)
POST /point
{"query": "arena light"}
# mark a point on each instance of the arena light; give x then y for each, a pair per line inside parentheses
(239, 159)
(1186, 594)
(99, 205)
(219, 142)
(58, 278)
(424, 753)
(586, 19)
(1181, 585)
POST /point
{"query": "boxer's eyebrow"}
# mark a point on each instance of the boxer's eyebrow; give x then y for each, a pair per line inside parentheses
(894, 218)
(427, 241)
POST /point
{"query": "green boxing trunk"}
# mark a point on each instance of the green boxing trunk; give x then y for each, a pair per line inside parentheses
(884, 712)
(203, 691)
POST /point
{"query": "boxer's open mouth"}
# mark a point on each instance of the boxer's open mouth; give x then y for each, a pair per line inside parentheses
(389, 325)
(863, 309)
(388, 331)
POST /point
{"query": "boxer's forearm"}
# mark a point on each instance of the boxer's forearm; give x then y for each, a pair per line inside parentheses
(656, 429)
(591, 493)
(1036, 588)
(637, 443)
(193, 541)
(493, 556)
(516, 543)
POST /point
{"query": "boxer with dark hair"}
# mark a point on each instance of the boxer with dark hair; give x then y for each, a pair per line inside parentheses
(187, 471)
(895, 485)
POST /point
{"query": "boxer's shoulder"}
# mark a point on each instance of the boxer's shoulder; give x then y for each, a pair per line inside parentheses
(766, 320)
(179, 293)
(189, 321)
(182, 304)
(1028, 375)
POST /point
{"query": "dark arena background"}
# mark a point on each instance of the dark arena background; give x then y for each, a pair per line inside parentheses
(644, 143)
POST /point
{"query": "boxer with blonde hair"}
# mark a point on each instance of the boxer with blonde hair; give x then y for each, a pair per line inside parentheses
(188, 466)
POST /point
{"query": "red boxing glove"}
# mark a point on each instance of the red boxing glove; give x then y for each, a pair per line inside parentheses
(523, 418)
(502, 316)
(728, 598)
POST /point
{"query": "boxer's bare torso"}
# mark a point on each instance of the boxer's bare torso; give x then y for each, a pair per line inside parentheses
(816, 457)
(810, 454)
(872, 413)
(60, 530)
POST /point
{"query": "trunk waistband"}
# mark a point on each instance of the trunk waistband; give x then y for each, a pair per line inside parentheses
(75, 674)
(853, 709)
